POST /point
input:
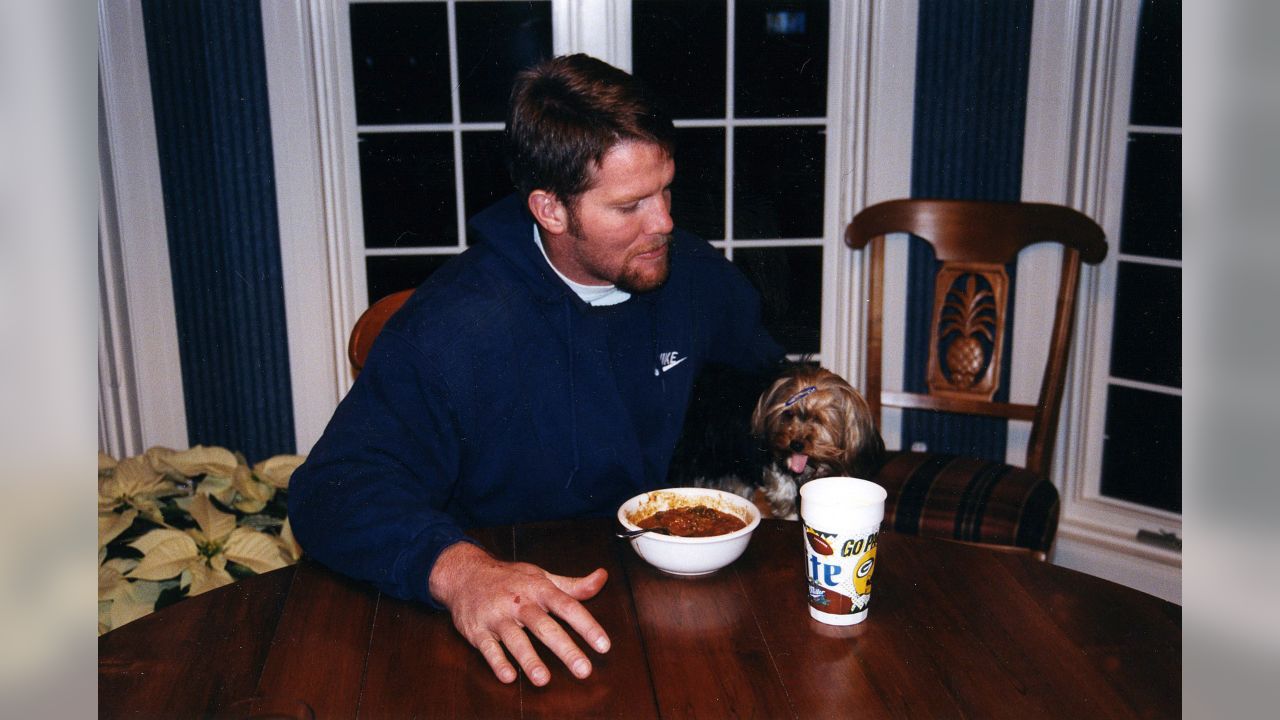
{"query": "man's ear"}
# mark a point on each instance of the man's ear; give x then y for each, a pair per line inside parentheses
(549, 212)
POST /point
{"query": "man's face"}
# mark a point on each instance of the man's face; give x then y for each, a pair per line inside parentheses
(619, 230)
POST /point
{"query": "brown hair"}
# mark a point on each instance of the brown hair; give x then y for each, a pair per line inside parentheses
(566, 113)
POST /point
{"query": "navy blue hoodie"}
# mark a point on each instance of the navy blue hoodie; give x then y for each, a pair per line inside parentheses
(496, 396)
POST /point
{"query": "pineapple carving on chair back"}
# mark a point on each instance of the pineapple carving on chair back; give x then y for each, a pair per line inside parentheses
(968, 330)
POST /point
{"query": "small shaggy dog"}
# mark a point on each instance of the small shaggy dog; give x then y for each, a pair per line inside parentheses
(773, 433)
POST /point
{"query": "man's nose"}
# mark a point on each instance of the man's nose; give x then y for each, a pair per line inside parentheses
(660, 222)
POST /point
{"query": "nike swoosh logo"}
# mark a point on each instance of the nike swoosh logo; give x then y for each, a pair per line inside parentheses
(673, 363)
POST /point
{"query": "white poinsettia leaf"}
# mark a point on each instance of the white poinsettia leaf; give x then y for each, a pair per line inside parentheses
(134, 477)
(249, 506)
(201, 460)
(277, 470)
(214, 523)
(104, 616)
(156, 537)
(151, 510)
(155, 457)
(205, 578)
(123, 565)
(140, 600)
(218, 486)
(106, 503)
(251, 494)
(110, 525)
(257, 551)
(105, 462)
(183, 503)
(288, 544)
(110, 582)
(166, 556)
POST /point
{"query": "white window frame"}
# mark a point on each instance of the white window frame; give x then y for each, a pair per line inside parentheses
(1079, 91)
(140, 395)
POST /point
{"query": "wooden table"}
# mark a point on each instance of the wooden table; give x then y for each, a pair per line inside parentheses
(954, 631)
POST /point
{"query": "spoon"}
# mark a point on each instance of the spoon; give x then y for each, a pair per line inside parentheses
(633, 533)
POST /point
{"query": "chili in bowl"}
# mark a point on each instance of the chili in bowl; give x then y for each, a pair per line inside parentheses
(708, 528)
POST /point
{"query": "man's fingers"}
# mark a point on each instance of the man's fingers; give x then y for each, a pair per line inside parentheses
(491, 649)
(507, 601)
(582, 622)
(583, 588)
(522, 650)
(549, 632)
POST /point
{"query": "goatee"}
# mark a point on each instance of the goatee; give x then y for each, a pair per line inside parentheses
(635, 280)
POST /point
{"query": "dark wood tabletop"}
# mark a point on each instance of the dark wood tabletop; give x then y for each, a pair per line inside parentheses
(953, 631)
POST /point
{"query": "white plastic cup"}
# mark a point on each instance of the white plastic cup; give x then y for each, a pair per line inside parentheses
(841, 518)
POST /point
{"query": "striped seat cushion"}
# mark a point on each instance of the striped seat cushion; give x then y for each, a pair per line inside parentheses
(968, 499)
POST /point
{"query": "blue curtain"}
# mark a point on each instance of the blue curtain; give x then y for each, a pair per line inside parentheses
(213, 132)
(972, 61)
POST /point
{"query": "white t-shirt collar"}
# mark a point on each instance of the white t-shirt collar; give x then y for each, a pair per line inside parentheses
(595, 295)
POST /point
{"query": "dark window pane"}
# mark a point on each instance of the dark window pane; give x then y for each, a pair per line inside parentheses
(1152, 223)
(678, 46)
(697, 195)
(1146, 340)
(406, 187)
(778, 182)
(495, 41)
(1157, 70)
(484, 171)
(388, 274)
(790, 285)
(400, 63)
(1142, 452)
(780, 58)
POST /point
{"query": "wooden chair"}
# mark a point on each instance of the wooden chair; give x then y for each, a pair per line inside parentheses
(370, 324)
(961, 498)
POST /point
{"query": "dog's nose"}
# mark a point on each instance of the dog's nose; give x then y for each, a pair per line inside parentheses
(796, 446)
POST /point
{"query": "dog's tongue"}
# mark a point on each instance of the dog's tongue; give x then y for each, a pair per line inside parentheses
(798, 463)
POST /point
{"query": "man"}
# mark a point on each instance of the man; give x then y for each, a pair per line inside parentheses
(542, 374)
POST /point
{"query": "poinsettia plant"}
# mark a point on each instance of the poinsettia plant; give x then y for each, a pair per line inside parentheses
(175, 523)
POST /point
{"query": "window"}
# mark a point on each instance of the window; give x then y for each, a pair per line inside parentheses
(1122, 458)
(429, 82)
(1142, 446)
(744, 79)
(427, 93)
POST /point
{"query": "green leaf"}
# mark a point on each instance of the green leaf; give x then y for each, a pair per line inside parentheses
(262, 522)
(171, 594)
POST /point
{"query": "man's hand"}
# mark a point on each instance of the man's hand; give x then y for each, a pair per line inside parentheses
(493, 602)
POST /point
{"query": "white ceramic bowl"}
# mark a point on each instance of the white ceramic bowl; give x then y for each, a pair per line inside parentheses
(689, 555)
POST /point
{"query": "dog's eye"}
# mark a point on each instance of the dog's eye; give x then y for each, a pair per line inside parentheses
(787, 414)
